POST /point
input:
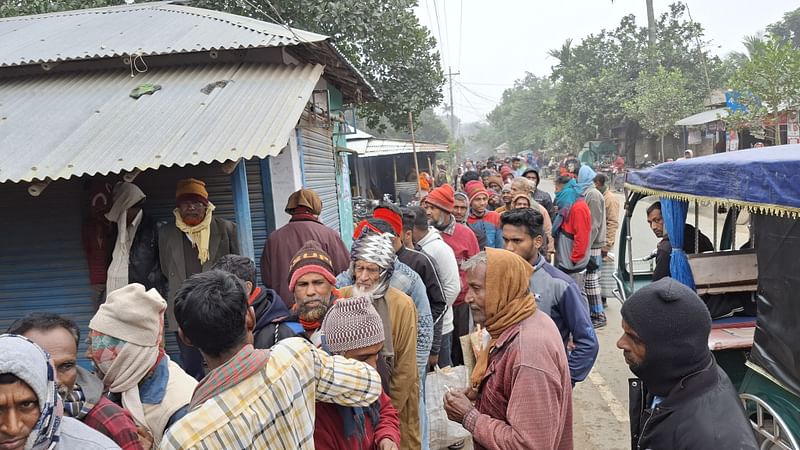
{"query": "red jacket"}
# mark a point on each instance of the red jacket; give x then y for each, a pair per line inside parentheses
(579, 224)
(465, 245)
(329, 430)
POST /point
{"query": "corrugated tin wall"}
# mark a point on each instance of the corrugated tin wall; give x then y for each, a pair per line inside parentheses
(42, 265)
(319, 170)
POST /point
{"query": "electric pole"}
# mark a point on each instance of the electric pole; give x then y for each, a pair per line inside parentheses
(452, 111)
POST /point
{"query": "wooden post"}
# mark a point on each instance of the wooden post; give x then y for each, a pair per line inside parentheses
(414, 149)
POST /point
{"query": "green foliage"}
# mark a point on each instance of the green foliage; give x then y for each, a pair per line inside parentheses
(768, 81)
(787, 29)
(661, 100)
(428, 127)
(384, 40)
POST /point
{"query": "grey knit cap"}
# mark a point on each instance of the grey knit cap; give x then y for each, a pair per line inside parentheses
(352, 323)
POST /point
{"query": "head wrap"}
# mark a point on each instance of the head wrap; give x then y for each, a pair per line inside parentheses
(28, 362)
(494, 179)
(125, 336)
(475, 188)
(376, 249)
(525, 196)
(568, 195)
(311, 258)
(673, 323)
(586, 178)
(304, 198)
(191, 189)
(507, 303)
(352, 323)
(391, 217)
(442, 198)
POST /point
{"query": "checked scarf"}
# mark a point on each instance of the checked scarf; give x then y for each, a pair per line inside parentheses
(245, 363)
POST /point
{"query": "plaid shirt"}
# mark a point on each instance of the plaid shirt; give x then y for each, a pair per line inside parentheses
(115, 422)
(275, 407)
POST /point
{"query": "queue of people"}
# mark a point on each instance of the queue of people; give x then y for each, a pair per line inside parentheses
(333, 350)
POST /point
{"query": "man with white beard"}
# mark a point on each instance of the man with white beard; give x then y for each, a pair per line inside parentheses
(371, 269)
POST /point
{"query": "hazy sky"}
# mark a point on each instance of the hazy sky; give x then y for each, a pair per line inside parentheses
(494, 42)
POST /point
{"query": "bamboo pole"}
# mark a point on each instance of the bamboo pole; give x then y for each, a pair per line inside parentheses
(414, 149)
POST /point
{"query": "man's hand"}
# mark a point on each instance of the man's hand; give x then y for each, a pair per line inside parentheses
(433, 360)
(387, 444)
(145, 438)
(457, 405)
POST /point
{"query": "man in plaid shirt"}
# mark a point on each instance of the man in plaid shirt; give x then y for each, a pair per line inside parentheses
(254, 398)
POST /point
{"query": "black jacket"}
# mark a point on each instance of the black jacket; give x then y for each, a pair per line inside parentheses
(143, 265)
(664, 253)
(274, 322)
(423, 265)
(702, 412)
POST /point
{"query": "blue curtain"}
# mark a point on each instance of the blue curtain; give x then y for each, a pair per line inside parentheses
(674, 213)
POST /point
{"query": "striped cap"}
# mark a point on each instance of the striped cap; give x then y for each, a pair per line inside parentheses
(352, 323)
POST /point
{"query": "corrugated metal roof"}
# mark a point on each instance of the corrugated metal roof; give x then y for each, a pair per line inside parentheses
(63, 125)
(366, 148)
(712, 115)
(156, 28)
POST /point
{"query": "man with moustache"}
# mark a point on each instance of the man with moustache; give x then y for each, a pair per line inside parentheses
(192, 246)
(313, 287)
(373, 259)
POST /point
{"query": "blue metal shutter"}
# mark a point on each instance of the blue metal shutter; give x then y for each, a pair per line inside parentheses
(319, 170)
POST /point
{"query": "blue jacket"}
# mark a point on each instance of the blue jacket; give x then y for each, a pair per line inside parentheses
(559, 297)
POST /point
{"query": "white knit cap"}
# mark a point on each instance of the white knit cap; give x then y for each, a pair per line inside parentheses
(352, 323)
(132, 314)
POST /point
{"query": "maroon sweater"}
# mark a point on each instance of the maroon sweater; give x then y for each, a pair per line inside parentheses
(465, 245)
(329, 431)
(525, 398)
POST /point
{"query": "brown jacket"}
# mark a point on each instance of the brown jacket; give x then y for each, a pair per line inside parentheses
(223, 241)
(612, 219)
(404, 386)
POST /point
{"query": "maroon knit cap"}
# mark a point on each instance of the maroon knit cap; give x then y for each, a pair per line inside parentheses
(311, 258)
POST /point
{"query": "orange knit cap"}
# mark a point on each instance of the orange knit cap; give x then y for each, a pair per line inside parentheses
(191, 188)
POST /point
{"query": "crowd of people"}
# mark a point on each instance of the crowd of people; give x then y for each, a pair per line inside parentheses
(333, 349)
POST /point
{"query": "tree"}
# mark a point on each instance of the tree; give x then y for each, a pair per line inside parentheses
(384, 40)
(787, 29)
(428, 128)
(767, 84)
(661, 99)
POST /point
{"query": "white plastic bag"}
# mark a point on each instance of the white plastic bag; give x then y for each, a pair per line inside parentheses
(442, 431)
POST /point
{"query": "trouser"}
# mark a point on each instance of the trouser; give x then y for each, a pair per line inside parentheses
(460, 328)
(445, 350)
(191, 360)
(592, 286)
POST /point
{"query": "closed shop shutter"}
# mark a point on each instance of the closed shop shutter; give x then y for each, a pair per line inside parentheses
(42, 264)
(319, 170)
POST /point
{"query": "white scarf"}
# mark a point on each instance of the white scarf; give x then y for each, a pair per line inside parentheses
(126, 195)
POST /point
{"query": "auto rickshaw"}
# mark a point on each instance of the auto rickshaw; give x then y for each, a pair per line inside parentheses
(749, 202)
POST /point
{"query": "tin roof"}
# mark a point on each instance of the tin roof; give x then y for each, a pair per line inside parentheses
(69, 124)
(156, 28)
(368, 147)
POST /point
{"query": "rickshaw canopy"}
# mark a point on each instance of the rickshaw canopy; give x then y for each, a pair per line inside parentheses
(765, 180)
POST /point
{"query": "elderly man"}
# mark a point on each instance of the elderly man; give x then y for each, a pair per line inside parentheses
(353, 329)
(682, 398)
(480, 216)
(372, 267)
(612, 220)
(556, 293)
(313, 287)
(524, 401)
(192, 246)
(304, 206)
(439, 207)
(81, 392)
(255, 398)
(30, 408)
(125, 347)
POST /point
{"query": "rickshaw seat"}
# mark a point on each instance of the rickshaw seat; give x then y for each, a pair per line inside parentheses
(721, 272)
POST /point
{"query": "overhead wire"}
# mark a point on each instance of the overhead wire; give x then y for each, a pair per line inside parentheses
(476, 94)
(460, 30)
(439, 31)
(447, 33)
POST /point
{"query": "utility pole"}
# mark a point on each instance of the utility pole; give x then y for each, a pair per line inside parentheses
(452, 111)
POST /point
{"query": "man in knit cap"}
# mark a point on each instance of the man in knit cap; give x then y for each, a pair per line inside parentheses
(31, 411)
(192, 246)
(353, 329)
(461, 212)
(439, 207)
(313, 287)
(682, 398)
(479, 214)
(255, 398)
(373, 263)
(125, 347)
(521, 381)
(304, 206)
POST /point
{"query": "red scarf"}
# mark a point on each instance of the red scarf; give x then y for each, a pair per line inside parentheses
(245, 363)
(311, 326)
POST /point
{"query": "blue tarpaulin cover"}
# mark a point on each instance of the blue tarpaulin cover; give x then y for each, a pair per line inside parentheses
(765, 180)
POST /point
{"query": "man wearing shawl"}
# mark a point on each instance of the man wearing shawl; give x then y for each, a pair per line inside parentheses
(371, 271)
(571, 229)
(597, 238)
(520, 385)
(32, 416)
(125, 337)
(304, 206)
(192, 246)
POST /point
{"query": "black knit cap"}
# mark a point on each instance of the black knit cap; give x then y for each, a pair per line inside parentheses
(674, 323)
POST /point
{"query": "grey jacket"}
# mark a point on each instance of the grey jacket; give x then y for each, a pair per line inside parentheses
(77, 436)
(597, 206)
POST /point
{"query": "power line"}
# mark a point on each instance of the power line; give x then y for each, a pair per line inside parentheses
(439, 29)
(447, 32)
(476, 83)
(481, 96)
(430, 21)
(460, 30)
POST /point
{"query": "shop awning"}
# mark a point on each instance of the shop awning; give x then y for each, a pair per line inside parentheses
(63, 125)
(369, 147)
(712, 115)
